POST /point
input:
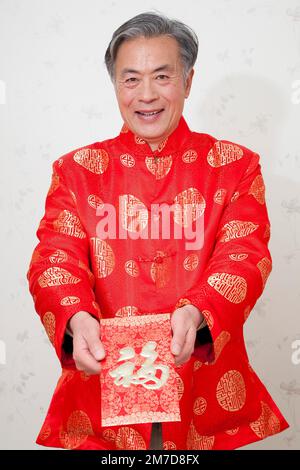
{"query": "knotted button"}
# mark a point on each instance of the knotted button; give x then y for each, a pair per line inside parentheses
(158, 259)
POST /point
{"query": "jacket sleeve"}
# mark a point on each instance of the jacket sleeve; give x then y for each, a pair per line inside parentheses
(59, 276)
(237, 271)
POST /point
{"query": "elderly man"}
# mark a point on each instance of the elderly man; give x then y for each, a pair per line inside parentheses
(76, 278)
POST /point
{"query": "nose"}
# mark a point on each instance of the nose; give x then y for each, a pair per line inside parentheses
(148, 91)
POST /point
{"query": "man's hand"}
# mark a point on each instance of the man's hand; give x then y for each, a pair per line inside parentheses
(87, 347)
(184, 322)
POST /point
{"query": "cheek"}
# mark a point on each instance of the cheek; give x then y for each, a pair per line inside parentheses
(126, 97)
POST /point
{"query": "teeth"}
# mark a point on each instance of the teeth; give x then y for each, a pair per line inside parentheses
(149, 114)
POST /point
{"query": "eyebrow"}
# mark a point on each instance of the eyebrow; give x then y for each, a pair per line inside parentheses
(158, 69)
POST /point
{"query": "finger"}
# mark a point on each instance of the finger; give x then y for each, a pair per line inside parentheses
(95, 345)
(179, 333)
(188, 347)
(83, 358)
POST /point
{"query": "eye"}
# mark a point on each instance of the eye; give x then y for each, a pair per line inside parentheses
(162, 76)
(130, 80)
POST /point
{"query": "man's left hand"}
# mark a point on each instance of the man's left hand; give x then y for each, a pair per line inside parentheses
(184, 322)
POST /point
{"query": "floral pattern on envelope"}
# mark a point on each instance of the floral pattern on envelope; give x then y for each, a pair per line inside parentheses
(138, 379)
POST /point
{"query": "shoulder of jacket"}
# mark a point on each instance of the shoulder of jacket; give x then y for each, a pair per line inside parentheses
(65, 160)
(223, 146)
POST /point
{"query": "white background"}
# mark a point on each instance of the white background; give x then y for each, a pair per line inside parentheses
(55, 96)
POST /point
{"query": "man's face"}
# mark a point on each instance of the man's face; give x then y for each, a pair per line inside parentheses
(148, 78)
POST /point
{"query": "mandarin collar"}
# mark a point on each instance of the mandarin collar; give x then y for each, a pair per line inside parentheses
(168, 146)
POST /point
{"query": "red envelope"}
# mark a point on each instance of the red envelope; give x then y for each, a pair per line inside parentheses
(138, 379)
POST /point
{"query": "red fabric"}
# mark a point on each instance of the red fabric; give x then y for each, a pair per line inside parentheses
(223, 403)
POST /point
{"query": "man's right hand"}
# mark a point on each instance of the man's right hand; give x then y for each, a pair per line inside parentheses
(87, 347)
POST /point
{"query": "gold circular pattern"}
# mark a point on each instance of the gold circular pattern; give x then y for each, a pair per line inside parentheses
(127, 160)
(129, 438)
(232, 432)
(265, 267)
(94, 160)
(109, 435)
(200, 405)
(169, 445)
(267, 424)
(197, 442)
(103, 257)
(69, 224)
(133, 213)
(231, 287)
(219, 196)
(128, 311)
(189, 206)
(159, 166)
(131, 268)
(95, 201)
(191, 262)
(59, 256)
(235, 196)
(56, 276)
(231, 391)
(69, 300)
(190, 156)
(237, 229)
(49, 324)
(139, 140)
(257, 189)
(79, 427)
(238, 256)
(223, 153)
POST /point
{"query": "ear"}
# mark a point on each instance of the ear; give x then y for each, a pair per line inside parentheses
(188, 82)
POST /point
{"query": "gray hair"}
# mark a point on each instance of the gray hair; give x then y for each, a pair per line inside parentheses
(149, 25)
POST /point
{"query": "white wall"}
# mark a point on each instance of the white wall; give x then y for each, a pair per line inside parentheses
(55, 95)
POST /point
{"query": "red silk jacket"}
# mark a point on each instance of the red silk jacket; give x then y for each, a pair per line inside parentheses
(223, 403)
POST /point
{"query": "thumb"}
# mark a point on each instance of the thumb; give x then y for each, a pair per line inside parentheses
(95, 346)
(177, 341)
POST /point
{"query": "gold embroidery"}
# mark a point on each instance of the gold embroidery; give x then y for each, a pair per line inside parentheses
(230, 286)
(103, 257)
(127, 160)
(69, 224)
(79, 427)
(267, 424)
(190, 156)
(159, 166)
(133, 213)
(69, 300)
(49, 324)
(231, 391)
(237, 229)
(257, 189)
(224, 153)
(200, 405)
(56, 277)
(189, 206)
(129, 438)
(94, 160)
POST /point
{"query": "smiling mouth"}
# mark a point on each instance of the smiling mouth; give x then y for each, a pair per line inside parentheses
(150, 113)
